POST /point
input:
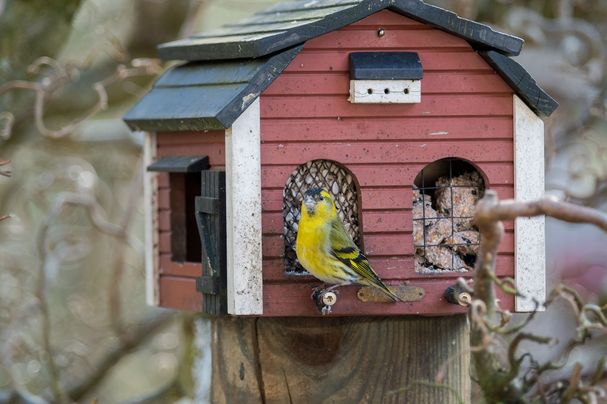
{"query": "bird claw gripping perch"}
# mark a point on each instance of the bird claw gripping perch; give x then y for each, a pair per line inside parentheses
(324, 299)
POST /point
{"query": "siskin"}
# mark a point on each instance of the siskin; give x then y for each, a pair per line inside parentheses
(326, 250)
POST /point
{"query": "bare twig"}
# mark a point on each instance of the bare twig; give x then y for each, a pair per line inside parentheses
(568, 212)
(61, 77)
(497, 379)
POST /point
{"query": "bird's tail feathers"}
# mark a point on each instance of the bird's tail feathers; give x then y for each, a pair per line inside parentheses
(391, 294)
(387, 291)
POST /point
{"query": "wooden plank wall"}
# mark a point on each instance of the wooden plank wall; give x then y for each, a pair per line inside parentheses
(466, 111)
(177, 287)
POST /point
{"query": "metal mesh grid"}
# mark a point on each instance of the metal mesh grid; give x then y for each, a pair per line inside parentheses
(445, 220)
(333, 178)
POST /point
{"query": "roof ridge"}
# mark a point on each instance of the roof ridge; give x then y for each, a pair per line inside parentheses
(288, 25)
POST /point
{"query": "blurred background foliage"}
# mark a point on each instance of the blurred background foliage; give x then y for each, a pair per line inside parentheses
(69, 69)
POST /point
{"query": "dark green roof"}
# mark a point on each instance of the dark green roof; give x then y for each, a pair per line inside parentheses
(228, 68)
(206, 95)
(292, 23)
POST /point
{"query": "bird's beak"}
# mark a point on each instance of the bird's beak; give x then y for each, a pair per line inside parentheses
(309, 203)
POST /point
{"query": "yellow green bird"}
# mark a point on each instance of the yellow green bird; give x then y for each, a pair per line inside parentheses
(326, 250)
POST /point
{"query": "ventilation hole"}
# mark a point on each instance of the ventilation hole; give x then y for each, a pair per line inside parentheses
(336, 180)
(370, 91)
(406, 91)
(386, 91)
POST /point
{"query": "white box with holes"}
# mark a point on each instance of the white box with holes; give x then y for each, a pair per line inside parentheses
(385, 91)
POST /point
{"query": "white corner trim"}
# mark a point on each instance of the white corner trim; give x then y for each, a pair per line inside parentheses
(385, 91)
(243, 214)
(150, 202)
(530, 247)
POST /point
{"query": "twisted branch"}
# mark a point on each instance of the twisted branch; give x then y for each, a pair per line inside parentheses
(497, 379)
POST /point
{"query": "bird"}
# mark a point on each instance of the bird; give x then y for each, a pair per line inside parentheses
(326, 250)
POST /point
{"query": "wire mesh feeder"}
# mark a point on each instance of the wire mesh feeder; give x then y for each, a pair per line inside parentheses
(444, 198)
(333, 178)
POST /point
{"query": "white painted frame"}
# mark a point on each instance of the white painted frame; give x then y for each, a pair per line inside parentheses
(385, 91)
(243, 213)
(529, 184)
(150, 198)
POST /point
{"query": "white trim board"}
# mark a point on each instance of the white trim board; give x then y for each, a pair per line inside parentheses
(150, 202)
(243, 213)
(530, 233)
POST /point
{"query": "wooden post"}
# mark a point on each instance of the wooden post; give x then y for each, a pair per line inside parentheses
(340, 360)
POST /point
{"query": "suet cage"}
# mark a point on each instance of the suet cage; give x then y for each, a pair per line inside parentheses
(445, 193)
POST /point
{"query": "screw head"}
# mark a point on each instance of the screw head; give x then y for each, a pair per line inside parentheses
(329, 298)
(381, 32)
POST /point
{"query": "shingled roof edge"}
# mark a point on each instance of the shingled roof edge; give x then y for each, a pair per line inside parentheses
(255, 45)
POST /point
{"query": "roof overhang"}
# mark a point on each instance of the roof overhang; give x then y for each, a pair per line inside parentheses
(288, 24)
(206, 95)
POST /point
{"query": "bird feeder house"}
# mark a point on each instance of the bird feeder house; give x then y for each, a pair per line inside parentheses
(404, 112)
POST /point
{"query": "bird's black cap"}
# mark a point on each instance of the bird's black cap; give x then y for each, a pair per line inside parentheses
(313, 192)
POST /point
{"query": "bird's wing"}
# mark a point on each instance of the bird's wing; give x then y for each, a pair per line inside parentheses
(344, 249)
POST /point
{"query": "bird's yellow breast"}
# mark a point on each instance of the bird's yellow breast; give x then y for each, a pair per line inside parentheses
(312, 247)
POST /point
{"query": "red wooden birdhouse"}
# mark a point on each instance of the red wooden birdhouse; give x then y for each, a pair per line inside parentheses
(403, 111)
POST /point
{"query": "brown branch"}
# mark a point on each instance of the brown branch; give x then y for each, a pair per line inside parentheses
(574, 381)
(61, 77)
(568, 212)
(20, 85)
(497, 382)
(515, 362)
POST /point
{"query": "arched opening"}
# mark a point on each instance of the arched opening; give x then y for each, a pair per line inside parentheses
(445, 193)
(335, 179)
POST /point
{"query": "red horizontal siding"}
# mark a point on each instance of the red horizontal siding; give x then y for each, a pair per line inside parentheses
(294, 300)
(432, 83)
(360, 39)
(328, 61)
(357, 152)
(181, 269)
(179, 293)
(386, 129)
(327, 106)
